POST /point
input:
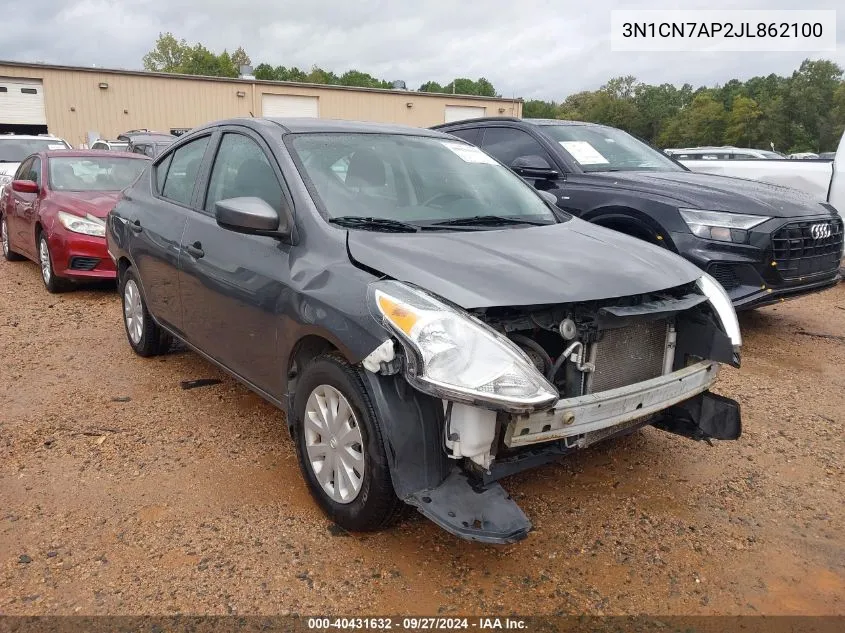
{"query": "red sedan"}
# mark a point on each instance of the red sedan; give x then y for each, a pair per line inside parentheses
(54, 210)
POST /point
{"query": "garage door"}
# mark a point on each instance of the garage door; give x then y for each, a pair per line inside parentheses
(459, 113)
(290, 105)
(22, 102)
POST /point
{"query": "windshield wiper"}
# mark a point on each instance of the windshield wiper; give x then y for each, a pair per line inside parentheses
(374, 224)
(486, 220)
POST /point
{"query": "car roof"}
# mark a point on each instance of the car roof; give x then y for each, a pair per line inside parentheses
(151, 138)
(504, 119)
(31, 137)
(299, 125)
(89, 153)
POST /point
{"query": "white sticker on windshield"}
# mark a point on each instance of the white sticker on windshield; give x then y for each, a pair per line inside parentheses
(584, 153)
(56, 146)
(469, 153)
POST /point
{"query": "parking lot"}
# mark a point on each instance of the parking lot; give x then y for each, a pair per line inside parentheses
(123, 493)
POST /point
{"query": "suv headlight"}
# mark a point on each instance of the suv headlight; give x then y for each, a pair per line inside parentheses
(720, 226)
(5, 179)
(723, 306)
(454, 356)
(89, 225)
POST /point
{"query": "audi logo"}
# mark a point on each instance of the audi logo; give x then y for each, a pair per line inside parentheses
(820, 231)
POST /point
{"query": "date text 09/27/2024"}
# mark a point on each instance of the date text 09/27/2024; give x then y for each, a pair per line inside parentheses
(417, 624)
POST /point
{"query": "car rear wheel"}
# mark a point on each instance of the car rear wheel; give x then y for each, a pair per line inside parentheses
(8, 254)
(48, 274)
(145, 336)
(340, 447)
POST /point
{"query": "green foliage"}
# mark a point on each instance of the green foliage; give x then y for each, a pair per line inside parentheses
(462, 86)
(805, 111)
(177, 56)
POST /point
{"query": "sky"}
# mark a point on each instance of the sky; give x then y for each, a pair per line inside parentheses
(534, 49)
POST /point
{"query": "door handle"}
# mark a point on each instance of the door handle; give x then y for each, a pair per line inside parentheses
(195, 250)
(135, 226)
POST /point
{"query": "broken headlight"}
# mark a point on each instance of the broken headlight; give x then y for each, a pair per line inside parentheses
(454, 356)
(723, 306)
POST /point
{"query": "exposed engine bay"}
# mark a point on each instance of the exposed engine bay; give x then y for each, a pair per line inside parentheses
(592, 348)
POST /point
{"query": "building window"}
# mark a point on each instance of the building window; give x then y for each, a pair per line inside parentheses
(29, 91)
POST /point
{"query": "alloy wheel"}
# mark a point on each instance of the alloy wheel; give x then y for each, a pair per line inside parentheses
(133, 311)
(44, 259)
(334, 444)
(5, 231)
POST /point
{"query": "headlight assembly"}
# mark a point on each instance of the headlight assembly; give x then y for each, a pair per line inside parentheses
(89, 225)
(454, 356)
(720, 226)
(723, 306)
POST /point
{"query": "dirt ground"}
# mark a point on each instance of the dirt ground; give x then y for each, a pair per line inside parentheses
(122, 493)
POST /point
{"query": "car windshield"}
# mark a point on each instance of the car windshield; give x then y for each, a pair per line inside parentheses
(412, 179)
(89, 173)
(14, 150)
(599, 148)
(118, 147)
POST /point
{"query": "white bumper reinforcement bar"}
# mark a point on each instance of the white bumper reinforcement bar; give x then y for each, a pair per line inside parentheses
(597, 411)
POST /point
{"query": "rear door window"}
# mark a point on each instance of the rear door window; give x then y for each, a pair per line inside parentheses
(182, 171)
(507, 144)
(470, 135)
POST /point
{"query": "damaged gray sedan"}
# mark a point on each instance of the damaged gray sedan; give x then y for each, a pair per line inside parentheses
(428, 322)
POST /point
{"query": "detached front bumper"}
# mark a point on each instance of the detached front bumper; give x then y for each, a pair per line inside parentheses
(581, 416)
(476, 507)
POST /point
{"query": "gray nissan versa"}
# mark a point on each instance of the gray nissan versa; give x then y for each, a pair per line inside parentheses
(428, 321)
(764, 243)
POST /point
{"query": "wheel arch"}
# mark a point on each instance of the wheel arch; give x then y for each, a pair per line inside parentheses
(631, 222)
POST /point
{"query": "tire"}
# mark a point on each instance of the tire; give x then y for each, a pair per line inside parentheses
(52, 283)
(144, 335)
(374, 505)
(8, 254)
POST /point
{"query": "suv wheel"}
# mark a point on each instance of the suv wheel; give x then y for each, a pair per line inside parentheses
(340, 447)
(45, 260)
(145, 336)
(8, 253)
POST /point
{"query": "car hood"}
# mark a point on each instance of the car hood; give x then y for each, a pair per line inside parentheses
(568, 262)
(82, 203)
(716, 193)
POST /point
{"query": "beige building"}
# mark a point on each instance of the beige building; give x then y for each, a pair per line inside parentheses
(75, 103)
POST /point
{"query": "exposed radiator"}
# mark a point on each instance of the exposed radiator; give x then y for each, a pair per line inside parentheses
(629, 355)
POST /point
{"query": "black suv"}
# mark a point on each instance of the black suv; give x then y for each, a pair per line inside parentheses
(764, 243)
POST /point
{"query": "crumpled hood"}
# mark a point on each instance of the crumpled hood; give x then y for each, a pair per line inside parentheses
(716, 193)
(568, 262)
(82, 203)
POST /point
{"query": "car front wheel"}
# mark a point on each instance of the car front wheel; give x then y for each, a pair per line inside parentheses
(145, 336)
(340, 447)
(45, 260)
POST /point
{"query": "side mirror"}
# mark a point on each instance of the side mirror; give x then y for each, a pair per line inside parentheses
(25, 186)
(250, 215)
(533, 167)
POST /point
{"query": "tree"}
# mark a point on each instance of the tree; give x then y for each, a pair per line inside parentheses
(536, 109)
(240, 58)
(361, 80)
(700, 123)
(431, 86)
(167, 56)
(743, 123)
